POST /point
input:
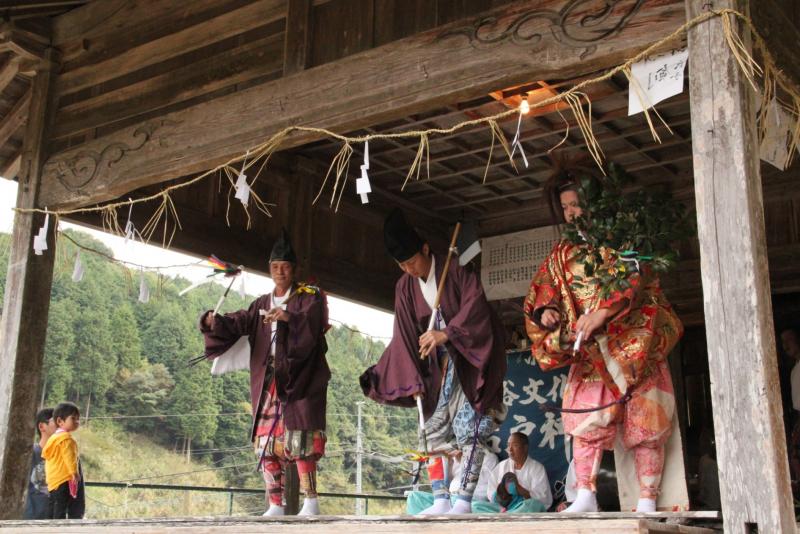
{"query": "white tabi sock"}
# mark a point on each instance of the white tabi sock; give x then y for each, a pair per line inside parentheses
(440, 506)
(586, 501)
(646, 505)
(461, 507)
(310, 507)
(274, 509)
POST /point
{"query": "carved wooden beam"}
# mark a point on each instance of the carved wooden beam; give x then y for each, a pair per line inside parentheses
(510, 45)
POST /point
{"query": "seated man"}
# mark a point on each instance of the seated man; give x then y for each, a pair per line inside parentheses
(418, 501)
(528, 491)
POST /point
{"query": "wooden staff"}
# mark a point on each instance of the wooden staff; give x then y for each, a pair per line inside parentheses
(225, 295)
(440, 289)
(431, 323)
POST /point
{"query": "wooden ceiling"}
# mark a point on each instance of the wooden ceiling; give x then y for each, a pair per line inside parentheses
(112, 78)
(511, 199)
(508, 198)
(20, 10)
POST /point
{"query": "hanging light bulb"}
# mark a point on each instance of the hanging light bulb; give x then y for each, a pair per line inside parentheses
(524, 106)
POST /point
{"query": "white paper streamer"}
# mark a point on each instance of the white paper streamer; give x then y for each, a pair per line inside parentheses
(130, 231)
(242, 292)
(194, 285)
(516, 143)
(77, 271)
(362, 184)
(242, 187)
(40, 239)
(144, 289)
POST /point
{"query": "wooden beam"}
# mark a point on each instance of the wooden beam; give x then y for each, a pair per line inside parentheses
(23, 326)
(775, 26)
(23, 44)
(87, 72)
(8, 71)
(742, 360)
(15, 118)
(421, 72)
(298, 36)
(12, 166)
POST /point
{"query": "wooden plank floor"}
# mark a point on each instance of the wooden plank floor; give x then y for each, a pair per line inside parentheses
(472, 524)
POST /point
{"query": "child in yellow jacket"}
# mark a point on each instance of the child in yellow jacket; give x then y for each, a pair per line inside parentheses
(62, 466)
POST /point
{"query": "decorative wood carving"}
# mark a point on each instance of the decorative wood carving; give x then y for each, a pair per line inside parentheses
(578, 24)
(76, 171)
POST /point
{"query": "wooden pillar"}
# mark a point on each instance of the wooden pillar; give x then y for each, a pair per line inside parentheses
(745, 391)
(23, 326)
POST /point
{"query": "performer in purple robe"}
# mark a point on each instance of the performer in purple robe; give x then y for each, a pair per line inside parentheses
(288, 374)
(461, 380)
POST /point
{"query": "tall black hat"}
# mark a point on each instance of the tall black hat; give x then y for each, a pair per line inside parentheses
(282, 249)
(400, 238)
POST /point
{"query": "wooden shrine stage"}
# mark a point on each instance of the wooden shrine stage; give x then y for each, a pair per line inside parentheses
(609, 522)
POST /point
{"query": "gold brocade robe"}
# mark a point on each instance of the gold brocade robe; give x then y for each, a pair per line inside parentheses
(639, 336)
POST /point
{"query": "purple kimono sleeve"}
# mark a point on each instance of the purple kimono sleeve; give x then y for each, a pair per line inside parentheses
(229, 328)
(305, 333)
(397, 376)
(470, 331)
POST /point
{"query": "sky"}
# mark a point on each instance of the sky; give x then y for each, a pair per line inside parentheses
(372, 322)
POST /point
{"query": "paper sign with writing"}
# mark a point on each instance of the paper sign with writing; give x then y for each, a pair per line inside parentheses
(658, 78)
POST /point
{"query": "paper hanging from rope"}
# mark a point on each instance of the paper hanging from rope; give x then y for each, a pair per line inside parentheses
(242, 292)
(241, 186)
(362, 184)
(130, 230)
(467, 243)
(516, 143)
(774, 147)
(659, 78)
(144, 289)
(77, 270)
(242, 189)
(40, 239)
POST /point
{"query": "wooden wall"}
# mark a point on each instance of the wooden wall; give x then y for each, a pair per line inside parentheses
(124, 61)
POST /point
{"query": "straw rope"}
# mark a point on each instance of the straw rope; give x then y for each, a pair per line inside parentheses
(575, 97)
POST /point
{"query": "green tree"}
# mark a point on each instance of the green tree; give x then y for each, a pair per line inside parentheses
(59, 350)
(126, 337)
(95, 357)
(194, 394)
(141, 392)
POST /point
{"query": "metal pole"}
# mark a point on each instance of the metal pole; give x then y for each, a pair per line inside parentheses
(230, 503)
(359, 453)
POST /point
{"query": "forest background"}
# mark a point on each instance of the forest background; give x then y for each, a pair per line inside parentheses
(150, 417)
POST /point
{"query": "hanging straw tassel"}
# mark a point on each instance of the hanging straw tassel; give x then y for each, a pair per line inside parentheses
(165, 211)
(646, 105)
(748, 65)
(339, 162)
(584, 121)
(794, 143)
(423, 150)
(499, 135)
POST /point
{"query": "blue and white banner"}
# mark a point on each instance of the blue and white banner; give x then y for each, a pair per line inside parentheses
(525, 389)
